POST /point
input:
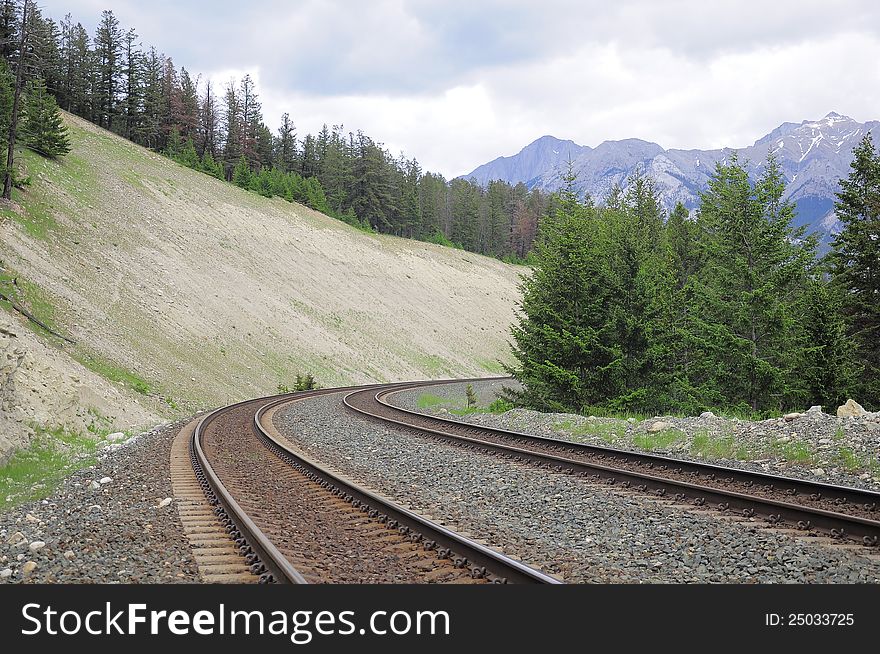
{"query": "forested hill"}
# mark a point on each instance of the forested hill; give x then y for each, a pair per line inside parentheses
(112, 80)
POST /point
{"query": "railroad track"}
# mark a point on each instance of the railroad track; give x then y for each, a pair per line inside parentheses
(846, 514)
(295, 521)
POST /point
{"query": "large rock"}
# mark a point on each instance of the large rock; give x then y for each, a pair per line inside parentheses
(851, 409)
(659, 426)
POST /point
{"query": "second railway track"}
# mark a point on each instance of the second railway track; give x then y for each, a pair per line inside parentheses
(847, 514)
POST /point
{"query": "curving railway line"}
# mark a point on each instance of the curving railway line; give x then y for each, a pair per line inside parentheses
(293, 520)
(847, 514)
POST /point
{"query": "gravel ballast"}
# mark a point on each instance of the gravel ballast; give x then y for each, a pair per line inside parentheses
(810, 445)
(569, 526)
(103, 524)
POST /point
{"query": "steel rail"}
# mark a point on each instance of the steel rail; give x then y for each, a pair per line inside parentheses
(263, 557)
(483, 561)
(266, 560)
(845, 494)
(837, 524)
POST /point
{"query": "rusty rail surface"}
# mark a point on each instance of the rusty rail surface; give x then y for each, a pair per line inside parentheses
(266, 560)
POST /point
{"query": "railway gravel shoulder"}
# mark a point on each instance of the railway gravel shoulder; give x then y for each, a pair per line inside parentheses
(121, 531)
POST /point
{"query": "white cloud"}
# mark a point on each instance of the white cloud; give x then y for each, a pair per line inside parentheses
(459, 82)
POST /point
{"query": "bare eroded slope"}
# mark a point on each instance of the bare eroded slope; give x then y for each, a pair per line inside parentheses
(212, 294)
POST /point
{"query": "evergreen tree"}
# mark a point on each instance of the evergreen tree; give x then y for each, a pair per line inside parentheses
(209, 127)
(187, 112)
(673, 348)
(856, 263)
(210, 166)
(241, 176)
(828, 366)
(745, 321)
(286, 156)
(43, 129)
(634, 260)
(150, 132)
(560, 340)
(108, 52)
(7, 91)
(232, 150)
(174, 147)
(133, 74)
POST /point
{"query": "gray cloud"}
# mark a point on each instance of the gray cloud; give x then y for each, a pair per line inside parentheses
(458, 81)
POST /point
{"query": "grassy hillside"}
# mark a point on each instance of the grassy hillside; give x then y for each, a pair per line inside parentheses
(184, 288)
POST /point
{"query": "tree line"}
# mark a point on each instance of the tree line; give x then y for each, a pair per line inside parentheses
(112, 80)
(628, 310)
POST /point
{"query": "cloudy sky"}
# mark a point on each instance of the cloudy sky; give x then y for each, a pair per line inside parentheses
(456, 83)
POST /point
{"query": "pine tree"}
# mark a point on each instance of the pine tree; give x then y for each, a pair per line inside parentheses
(7, 91)
(132, 72)
(108, 51)
(673, 351)
(856, 262)
(150, 133)
(634, 259)
(562, 358)
(209, 128)
(174, 147)
(21, 60)
(44, 130)
(743, 310)
(210, 166)
(828, 367)
(241, 176)
(286, 155)
(232, 150)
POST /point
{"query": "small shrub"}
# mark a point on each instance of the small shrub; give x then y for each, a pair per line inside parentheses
(501, 405)
(304, 382)
(471, 397)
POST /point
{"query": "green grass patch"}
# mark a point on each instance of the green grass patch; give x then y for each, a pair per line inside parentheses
(491, 365)
(614, 414)
(794, 451)
(607, 431)
(114, 373)
(36, 219)
(852, 461)
(30, 296)
(659, 441)
(34, 472)
(427, 401)
(717, 447)
(498, 406)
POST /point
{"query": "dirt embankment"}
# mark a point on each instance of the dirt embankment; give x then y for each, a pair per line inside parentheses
(200, 294)
(42, 388)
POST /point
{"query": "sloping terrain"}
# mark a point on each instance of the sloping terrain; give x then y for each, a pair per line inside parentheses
(42, 389)
(196, 293)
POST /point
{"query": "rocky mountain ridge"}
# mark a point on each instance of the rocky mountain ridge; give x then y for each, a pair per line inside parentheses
(814, 155)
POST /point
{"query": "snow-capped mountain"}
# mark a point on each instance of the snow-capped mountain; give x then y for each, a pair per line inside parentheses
(814, 155)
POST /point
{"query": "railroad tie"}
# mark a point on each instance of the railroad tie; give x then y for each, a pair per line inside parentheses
(215, 553)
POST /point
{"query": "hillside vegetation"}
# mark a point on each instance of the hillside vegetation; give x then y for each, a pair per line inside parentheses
(194, 293)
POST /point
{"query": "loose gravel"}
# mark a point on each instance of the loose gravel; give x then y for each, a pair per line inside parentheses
(811, 445)
(108, 523)
(569, 526)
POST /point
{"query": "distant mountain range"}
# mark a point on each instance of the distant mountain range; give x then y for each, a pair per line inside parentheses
(813, 154)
